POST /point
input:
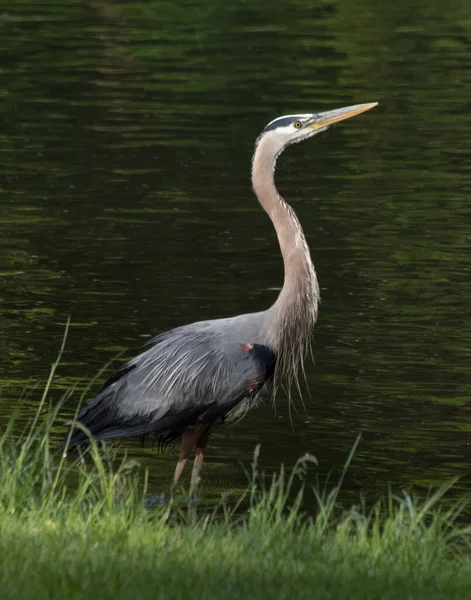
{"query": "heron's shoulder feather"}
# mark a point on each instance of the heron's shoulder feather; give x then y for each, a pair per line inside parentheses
(192, 374)
(199, 362)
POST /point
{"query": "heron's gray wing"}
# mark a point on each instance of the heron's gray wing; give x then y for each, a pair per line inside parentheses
(188, 377)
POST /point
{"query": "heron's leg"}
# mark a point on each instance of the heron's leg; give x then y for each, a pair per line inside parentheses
(189, 438)
(201, 446)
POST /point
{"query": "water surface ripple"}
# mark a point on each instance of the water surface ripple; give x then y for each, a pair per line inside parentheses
(125, 202)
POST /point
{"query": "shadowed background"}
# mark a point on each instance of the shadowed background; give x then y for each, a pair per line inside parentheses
(127, 131)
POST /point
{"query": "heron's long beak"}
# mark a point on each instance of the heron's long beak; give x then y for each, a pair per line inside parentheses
(324, 119)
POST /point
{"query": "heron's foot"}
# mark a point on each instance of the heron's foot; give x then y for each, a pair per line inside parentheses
(158, 500)
(184, 496)
(194, 498)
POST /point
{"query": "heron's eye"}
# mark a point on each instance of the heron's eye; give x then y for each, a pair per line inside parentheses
(297, 124)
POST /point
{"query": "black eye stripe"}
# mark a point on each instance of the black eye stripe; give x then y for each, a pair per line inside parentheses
(281, 122)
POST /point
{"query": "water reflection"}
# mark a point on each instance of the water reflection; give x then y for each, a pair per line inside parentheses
(126, 203)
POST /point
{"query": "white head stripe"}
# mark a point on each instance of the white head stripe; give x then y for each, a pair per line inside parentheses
(303, 116)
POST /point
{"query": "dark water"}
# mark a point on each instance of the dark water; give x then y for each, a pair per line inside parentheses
(126, 137)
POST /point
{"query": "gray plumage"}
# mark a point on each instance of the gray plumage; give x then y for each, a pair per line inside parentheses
(201, 375)
(195, 374)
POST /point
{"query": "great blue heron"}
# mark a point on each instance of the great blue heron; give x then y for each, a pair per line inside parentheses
(201, 375)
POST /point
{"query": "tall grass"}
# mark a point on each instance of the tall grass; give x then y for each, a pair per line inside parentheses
(79, 528)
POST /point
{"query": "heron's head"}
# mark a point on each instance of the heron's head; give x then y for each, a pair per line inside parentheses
(291, 129)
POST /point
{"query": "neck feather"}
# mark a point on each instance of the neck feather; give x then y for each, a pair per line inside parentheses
(292, 317)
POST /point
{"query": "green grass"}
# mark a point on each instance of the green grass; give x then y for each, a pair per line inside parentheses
(74, 529)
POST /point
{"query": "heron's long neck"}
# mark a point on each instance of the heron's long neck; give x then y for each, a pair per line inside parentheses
(294, 313)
